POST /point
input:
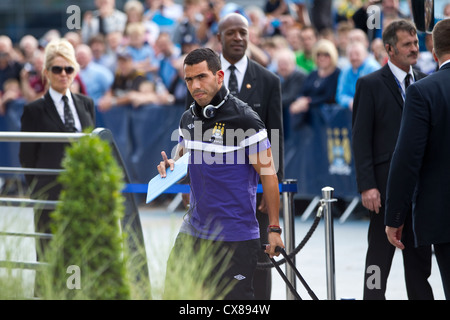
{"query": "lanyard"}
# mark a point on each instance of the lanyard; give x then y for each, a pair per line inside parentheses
(400, 87)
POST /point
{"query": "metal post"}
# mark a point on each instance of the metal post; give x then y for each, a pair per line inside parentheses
(289, 233)
(327, 194)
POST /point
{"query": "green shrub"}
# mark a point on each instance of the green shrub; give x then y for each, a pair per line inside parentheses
(86, 227)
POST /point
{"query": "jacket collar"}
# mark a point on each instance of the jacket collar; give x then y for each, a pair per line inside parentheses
(445, 65)
(392, 84)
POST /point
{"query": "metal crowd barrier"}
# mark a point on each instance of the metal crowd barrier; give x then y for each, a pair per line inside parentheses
(130, 222)
(327, 194)
(288, 216)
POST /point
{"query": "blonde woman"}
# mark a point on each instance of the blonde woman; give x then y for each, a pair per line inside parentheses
(320, 85)
(59, 110)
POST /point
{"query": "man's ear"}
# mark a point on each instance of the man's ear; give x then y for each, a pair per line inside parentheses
(386, 47)
(435, 56)
(220, 76)
(389, 49)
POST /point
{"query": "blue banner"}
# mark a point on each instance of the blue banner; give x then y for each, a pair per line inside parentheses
(318, 152)
(10, 121)
(141, 134)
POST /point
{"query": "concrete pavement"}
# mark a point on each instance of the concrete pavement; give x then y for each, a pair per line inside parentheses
(350, 245)
(161, 227)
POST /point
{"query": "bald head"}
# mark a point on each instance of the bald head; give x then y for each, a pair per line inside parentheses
(5, 44)
(84, 55)
(5, 51)
(357, 53)
(231, 18)
(233, 36)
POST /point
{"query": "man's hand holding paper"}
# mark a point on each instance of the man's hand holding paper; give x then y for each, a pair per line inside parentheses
(163, 165)
(169, 173)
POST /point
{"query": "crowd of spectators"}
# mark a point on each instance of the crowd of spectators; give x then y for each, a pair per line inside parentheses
(124, 52)
(133, 55)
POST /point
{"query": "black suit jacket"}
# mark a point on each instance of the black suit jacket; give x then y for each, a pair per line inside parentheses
(377, 113)
(41, 116)
(261, 90)
(420, 168)
(291, 86)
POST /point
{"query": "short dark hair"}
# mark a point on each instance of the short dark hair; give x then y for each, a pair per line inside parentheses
(204, 54)
(312, 28)
(390, 32)
(441, 38)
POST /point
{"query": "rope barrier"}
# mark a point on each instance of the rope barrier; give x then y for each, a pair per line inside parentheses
(268, 265)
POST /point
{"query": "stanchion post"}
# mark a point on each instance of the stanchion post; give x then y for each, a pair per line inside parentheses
(289, 233)
(327, 195)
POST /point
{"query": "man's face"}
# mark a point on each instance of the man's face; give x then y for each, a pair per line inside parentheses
(308, 39)
(390, 7)
(83, 58)
(4, 54)
(234, 39)
(125, 65)
(356, 56)
(98, 48)
(202, 83)
(285, 66)
(406, 50)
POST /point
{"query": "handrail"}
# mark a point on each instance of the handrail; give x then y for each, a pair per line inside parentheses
(19, 136)
(130, 222)
(26, 234)
(28, 203)
(30, 171)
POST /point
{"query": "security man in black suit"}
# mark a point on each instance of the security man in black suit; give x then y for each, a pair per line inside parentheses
(58, 110)
(420, 170)
(377, 113)
(261, 90)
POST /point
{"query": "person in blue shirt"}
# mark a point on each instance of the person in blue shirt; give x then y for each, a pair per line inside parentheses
(168, 54)
(360, 65)
(143, 55)
(97, 78)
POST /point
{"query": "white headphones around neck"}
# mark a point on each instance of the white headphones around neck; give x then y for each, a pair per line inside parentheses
(209, 111)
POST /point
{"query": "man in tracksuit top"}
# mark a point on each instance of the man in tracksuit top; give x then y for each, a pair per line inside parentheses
(229, 152)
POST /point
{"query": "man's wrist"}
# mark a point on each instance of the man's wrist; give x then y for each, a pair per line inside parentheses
(274, 228)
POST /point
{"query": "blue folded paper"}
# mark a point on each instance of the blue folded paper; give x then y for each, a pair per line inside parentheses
(157, 185)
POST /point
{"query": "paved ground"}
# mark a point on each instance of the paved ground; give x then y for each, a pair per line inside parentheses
(161, 227)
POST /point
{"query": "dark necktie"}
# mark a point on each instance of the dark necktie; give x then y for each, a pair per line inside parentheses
(69, 122)
(232, 82)
(101, 25)
(407, 81)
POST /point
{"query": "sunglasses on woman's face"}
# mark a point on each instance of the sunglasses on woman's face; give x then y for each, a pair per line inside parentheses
(59, 70)
(324, 54)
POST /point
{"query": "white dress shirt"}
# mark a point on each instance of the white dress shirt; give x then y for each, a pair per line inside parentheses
(445, 62)
(400, 75)
(241, 67)
(59, 104)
